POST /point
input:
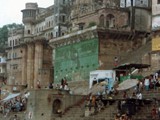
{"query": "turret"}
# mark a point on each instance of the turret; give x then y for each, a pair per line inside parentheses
(29, 16)
(29, 13)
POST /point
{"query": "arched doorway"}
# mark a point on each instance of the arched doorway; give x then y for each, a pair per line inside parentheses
(101, 21)
(57, 104)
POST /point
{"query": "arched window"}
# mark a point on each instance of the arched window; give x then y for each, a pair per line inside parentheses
(110, 21)
(51, 35)
(49, 23)
(29, 32)
(13, 43)
(10, 43)
(101, 21)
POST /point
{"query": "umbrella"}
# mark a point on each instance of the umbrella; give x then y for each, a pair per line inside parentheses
(96, 89)
(127, 84)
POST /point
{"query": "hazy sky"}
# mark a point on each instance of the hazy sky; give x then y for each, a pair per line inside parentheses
(10, 10)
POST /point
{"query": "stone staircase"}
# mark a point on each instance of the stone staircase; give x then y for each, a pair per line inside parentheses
(75, 112)
(144, 112)
(108, 113)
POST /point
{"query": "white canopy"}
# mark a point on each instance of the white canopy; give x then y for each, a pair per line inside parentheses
(10, 96)
(127, 84)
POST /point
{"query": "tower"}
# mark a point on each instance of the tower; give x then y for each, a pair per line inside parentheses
(35, 64)
(62, 14)
(29, 16)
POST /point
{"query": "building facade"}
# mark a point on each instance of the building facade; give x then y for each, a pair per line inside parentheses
(3, 70)
(62, 10)
(101, 30)
(112, 27)
(28, 53)
(14, 56)
(38, 27)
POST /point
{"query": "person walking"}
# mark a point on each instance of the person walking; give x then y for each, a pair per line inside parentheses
(146, 83)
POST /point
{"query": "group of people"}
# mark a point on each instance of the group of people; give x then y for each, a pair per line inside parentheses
(151, 82)
(147, 84)
(64, 85)
(95, 102)
(16, 104)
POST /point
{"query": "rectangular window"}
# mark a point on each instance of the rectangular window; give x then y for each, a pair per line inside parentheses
(63, 18)
(10, 43)
(56, 34)
(14, 55)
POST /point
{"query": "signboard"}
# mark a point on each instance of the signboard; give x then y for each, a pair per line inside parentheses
(102, 74)
(156, 23)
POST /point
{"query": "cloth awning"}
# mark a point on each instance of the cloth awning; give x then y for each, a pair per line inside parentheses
(10, 96)
(127, 84)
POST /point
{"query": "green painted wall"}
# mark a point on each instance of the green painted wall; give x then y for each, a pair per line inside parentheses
(75, 61)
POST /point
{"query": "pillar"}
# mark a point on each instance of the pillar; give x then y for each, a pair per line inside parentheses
(38, 71)
(24, 65)
(30, 65)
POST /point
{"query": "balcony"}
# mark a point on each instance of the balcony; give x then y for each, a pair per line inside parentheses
(2, 63)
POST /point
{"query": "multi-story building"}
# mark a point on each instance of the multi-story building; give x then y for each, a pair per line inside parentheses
(116, 21)
(38, 29)
(14, 56)
(2, 67)
(29, 58)
(62, 9)
(122, 26)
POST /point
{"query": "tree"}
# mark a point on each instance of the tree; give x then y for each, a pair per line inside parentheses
(4, 34)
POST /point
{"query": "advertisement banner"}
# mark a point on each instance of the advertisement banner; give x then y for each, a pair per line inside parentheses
(156, 44)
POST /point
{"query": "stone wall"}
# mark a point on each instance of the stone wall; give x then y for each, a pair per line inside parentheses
(40, 103)
(113, 45)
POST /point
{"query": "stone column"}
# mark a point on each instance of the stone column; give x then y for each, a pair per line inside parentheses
(24, 65)
(30, 65)
(38, 71)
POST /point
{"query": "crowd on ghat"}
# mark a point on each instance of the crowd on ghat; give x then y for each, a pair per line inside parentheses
(16, 104)
(19, 103)
(129, 104)
(126, 107)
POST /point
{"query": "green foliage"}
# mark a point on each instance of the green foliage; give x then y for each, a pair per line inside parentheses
(4, 34)
(91, 24)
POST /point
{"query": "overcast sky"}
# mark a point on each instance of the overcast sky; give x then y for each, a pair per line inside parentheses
(10, 10)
